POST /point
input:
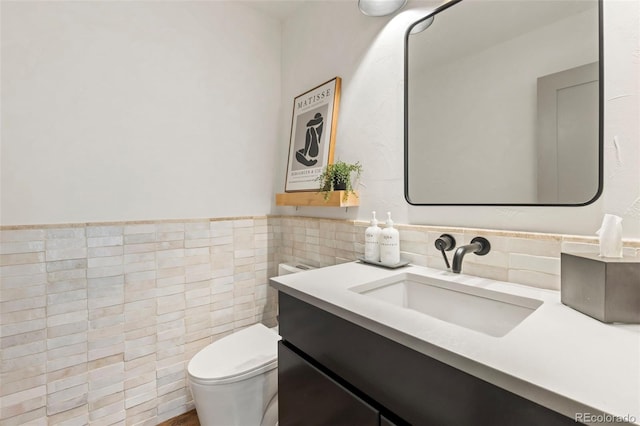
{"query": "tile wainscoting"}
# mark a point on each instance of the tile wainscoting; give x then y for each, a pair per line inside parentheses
(98, 321)
(521, 257)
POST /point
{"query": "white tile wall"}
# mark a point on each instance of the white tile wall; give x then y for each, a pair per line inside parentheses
(526, 258)
(98, 321)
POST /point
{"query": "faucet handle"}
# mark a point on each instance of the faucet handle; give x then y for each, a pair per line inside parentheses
(485, 246)
(444, 243)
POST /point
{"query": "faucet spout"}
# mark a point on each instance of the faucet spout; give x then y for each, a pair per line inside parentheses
(479, 246)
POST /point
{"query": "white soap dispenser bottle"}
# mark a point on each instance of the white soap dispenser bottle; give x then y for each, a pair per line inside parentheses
(372, 240)
(389, 243)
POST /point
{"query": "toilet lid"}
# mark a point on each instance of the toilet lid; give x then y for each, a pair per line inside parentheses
(235, 357)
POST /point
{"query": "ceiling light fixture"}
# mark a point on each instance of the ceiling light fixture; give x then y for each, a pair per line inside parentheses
(422, 25)
(380, 7)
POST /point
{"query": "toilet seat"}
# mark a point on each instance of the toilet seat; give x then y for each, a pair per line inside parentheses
(238, 356)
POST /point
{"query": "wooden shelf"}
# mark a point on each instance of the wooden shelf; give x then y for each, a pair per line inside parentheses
(312, 198)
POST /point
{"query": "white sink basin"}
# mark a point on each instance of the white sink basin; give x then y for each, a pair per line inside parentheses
(478, 309)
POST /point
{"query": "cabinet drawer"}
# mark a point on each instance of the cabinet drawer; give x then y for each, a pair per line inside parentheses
(308, 397)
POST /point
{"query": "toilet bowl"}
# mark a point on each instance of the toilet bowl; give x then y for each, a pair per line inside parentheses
(234, 381)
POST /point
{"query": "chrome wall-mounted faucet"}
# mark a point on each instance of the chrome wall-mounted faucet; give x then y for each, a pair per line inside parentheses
(479, 246)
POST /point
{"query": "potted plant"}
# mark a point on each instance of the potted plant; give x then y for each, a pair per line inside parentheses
(337, 177)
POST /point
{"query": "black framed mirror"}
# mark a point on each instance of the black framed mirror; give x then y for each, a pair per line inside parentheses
(504, 104)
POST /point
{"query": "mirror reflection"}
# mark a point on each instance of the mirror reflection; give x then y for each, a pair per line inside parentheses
(503, 104)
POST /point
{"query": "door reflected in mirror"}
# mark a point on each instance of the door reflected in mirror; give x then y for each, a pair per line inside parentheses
(503, 104)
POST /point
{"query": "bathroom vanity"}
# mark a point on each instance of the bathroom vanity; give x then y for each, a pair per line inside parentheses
(353, 353)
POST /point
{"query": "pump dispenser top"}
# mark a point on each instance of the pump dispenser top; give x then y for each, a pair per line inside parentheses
(374, 221)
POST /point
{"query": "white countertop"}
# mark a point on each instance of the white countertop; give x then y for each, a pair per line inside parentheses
(557, 357)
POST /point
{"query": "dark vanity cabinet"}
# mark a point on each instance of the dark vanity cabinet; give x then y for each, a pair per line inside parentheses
(334, 372)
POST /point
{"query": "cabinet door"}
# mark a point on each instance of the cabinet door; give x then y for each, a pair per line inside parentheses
(308, 397)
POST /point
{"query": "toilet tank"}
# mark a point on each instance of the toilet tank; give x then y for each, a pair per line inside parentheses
(290, 268)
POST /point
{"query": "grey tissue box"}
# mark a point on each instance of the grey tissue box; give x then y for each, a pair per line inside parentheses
(606, 289)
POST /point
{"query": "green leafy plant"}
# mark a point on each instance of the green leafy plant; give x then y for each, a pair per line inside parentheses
(337, 176)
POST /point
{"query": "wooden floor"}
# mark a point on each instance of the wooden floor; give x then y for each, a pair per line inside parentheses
(187, 419)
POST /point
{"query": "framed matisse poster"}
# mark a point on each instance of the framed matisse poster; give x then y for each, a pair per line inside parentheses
(313, 132)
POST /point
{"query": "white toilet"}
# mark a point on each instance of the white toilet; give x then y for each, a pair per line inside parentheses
(234, 381)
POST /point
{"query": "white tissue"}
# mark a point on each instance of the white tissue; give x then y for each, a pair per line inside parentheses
(610, 234)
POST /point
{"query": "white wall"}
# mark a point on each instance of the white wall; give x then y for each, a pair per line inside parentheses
(326, 39)
(137, 110)
(150, 110)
